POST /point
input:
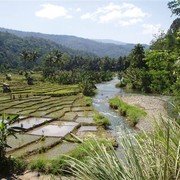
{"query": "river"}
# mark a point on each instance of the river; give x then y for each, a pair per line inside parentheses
(105, 91)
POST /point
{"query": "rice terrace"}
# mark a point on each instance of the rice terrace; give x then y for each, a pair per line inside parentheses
(50, 114)
(89, 90)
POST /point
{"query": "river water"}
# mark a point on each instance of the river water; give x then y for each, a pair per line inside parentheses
(105, 91)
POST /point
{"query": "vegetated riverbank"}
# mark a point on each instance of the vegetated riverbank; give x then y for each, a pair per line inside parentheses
(141, 151)
(132, 113)
(154, 106)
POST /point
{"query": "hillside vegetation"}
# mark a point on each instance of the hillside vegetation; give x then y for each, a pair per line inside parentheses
(155, 70)
(12, 46)
(91, 46)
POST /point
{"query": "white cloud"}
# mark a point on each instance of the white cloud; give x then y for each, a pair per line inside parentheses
(78, 9)
(151, 29)
(124, 14)
(51, 11)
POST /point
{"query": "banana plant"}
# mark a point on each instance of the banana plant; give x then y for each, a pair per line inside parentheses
(5, 131)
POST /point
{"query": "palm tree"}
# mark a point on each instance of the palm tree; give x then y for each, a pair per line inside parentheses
(175, 7)
(29, 58)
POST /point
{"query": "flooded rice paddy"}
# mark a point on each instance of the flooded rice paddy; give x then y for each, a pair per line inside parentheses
(49, 120)
(54, 130)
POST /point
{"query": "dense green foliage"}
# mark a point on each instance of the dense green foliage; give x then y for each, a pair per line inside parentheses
(88, 88)
(12, 47)
(156, 70)
(59, 64)
(66, 69)
(11, 166)
(29, 59)
(175, 7)
(133, 113)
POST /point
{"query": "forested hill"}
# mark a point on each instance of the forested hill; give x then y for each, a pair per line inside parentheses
(91, 46)
(11, 47)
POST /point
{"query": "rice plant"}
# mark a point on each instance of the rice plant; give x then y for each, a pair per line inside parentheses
(143, 156)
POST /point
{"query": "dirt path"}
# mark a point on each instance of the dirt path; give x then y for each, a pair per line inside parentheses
(153, 105)
(38, 176)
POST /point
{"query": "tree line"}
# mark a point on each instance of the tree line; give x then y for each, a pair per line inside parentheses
(156, 70)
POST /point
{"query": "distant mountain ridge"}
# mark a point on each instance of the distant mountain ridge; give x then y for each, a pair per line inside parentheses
(81, 44)
(11, 47)
(110, 41)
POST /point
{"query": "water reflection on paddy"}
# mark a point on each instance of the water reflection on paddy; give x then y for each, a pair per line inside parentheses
(54, 130)
(30, 122)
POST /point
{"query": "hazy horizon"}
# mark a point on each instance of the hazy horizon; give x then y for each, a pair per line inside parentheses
(97, 40)
(129, 21)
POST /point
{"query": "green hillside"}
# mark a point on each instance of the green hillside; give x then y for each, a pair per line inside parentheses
(80, 44)
(11, 47)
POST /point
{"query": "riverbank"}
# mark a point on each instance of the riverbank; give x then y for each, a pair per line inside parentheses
(154, 106)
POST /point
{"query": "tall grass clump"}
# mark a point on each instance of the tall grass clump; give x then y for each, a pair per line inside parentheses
(88, 101)
(100, 120)
(133, 113)
(60, 164)
(143, 157)
(121, 84)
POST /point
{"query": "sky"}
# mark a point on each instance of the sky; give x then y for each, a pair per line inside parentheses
(131, 21)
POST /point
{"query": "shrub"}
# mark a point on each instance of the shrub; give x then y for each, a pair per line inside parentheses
(88, 88)
(88, 101)
(114, 103)
(30, 80)
(121, 84)
(12, 165)
(8, 77)
(18, 165)
(100, 120)
(38, 165)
